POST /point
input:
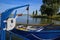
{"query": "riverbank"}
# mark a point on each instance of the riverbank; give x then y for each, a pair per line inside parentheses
(40, 16)
(39, 24)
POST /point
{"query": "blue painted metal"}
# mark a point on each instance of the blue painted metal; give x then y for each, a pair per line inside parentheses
(10, 37)
(5, 16)
(15, 14)
(6, 13)
(2, 26)
(44, 34)
(19, 35)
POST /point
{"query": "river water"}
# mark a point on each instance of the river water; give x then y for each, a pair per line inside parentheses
(23, 20)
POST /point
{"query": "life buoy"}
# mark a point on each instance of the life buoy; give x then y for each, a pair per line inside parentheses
(11, 23)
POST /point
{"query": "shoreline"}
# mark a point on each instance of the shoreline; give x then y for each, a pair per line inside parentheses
(39, 16)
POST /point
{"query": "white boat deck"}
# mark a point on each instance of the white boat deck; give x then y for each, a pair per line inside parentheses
(29, 28)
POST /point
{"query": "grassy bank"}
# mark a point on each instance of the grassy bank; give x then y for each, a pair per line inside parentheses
(48, 17)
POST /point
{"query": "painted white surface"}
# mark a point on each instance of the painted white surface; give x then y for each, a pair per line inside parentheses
(11, 25)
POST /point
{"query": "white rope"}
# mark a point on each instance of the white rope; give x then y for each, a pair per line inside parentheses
(36, 36)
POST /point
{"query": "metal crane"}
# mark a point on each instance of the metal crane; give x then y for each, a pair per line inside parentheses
(5, 16)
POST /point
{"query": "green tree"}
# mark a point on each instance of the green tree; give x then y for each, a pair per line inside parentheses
(49, 11)
(51, 1)
(36, 12)
(50, 7)
(45, 9)
(33, 13)
(42, 9)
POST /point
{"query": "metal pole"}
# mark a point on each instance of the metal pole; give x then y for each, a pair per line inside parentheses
(3, 32)
(27, 15)
(10, 36)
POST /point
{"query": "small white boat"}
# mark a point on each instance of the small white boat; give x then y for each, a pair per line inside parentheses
(29, 28)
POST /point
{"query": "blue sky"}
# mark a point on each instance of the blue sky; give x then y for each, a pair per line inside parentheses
(6, 4)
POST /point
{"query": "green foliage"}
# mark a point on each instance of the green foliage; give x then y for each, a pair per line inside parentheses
(51, 1)
(45, 9)
(50, 7)
(33, 13)
(36, 12)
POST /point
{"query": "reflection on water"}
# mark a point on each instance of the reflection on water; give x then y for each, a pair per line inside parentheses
(23, 19)
(0, 21)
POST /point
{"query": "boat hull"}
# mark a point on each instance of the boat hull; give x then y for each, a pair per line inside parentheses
(52, 34)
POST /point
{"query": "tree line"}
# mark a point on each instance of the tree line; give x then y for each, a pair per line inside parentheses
(50, 7)
(35, 13)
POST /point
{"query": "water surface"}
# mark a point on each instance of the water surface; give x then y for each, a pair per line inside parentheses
(23, 20)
